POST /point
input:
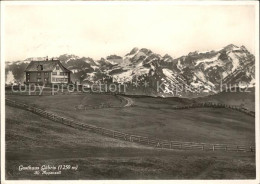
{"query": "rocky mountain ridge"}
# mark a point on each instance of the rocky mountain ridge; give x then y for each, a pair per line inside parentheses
(195, 74)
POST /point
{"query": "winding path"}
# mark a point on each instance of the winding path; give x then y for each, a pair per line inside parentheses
(129, 101)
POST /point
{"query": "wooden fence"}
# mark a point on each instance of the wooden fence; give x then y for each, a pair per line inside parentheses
(156, 143)
(216, 105)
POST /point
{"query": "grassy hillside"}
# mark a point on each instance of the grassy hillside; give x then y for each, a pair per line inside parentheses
(245, 99)
(32, 140)
(154, 117)
(70, 100)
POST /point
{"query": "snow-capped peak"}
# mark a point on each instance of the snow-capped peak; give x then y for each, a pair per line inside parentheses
(132, 52)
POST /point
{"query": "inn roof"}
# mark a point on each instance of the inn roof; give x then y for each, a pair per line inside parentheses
(47, 66)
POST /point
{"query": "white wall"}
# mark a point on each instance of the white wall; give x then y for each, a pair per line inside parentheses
(58, 76)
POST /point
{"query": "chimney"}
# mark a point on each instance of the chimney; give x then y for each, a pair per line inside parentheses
(46, 58)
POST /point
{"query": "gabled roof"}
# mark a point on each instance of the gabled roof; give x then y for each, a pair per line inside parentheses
(47, 66)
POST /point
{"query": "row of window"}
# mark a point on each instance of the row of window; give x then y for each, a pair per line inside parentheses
(53, 79)
(61, 73)
(39, 74)
(59, 80)
(53, 73)
(38, 80)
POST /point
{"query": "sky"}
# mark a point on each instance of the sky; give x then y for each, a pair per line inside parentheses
(100, 30)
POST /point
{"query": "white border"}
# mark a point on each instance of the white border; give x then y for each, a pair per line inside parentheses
(146, 3)
(2, 96)
(257, 100)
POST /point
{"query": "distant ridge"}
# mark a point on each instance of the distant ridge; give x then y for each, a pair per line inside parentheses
(201, 71)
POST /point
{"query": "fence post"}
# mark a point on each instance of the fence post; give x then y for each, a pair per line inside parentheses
(213, 147)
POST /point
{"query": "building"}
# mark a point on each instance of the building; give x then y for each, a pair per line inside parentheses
(47, 72)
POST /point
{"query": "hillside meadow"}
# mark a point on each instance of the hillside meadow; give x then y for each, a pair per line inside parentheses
(152, 117)
(33, 140)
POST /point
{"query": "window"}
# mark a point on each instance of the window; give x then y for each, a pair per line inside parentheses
(28, 77)
(45, 80)
(57, 67)
(28, 80)
(39, 67)
(63, 73)
(38, 80)
(54, 73)
(39, 74)
(46, 73)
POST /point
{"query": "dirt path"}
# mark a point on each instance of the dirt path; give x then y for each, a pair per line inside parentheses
(129, 101)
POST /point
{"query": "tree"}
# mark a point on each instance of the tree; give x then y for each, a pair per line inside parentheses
(10, 78)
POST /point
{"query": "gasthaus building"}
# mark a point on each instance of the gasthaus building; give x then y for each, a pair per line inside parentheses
(47, 72)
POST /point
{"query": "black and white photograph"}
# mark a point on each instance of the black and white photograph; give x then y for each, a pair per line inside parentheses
(145, 91)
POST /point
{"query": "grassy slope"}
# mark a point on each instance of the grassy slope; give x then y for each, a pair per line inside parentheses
(247, 99)
(69, 100)
(154, 117)
(32, 140)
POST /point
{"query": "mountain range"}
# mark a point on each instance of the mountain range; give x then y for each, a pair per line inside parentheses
(147, 73)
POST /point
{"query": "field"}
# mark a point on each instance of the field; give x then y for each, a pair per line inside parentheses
(33, 140)
(246, 98)
(153, 117)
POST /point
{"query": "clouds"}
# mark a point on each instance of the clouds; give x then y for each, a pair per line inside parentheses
(98, 30)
